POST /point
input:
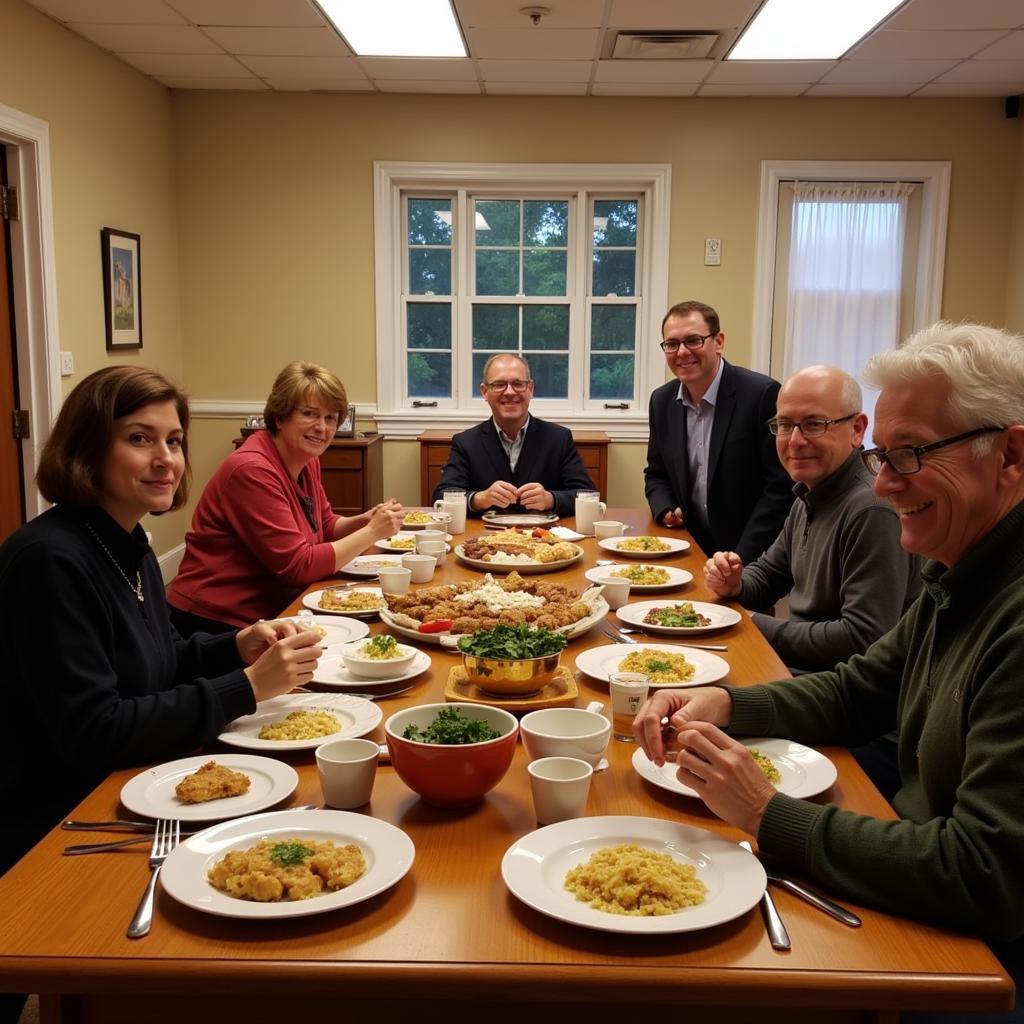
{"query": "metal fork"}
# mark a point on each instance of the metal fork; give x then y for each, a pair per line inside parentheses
(165, 838)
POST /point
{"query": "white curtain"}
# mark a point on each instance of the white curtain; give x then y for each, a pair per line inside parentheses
(845, 270)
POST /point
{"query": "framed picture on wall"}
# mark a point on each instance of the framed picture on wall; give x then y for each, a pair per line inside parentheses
(122, 288)
(347, 427)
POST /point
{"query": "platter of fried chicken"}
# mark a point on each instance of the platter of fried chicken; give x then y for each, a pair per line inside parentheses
(524, 551)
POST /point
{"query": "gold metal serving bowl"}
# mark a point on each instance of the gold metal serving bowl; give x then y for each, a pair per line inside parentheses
(511, 677)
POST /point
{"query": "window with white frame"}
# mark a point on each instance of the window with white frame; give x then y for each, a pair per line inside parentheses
(565, 265)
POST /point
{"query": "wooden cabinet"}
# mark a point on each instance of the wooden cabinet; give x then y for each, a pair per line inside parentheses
(435, 445)
(352, 470)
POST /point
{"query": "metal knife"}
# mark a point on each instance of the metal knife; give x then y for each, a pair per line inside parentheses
(777, 934)
(816, 900)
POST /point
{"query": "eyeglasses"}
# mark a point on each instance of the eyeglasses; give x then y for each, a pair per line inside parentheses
(497, 386)
(811, 426)
(907, 460)
(314, 416)
(692, 342)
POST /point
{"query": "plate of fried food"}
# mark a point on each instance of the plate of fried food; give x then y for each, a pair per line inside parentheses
(644, 578)
(370, 565)
(435, 614)
(526, 551)
(665, 665)
(287, 864)
(206, 788)
(644, 546)
(679, 617)
(302, 721)
(792, 768)
(359, 602)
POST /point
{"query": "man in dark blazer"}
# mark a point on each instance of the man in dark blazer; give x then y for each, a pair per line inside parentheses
(514, 461)
(711, 460)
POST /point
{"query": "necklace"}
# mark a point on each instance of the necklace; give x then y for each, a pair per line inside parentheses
(137, 588)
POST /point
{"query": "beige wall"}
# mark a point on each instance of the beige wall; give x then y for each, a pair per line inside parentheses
(1014, 318)
(111, 149)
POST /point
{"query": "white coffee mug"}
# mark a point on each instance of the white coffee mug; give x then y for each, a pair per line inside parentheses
(437, 548)
(589, 508)
(609, 528)
(394, 580)
(454, 503)
(616, 590)
(422, 566)
(425, 536)
(347, 769)
(560, 787)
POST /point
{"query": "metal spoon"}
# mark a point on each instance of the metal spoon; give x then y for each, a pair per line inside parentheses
(777, 934)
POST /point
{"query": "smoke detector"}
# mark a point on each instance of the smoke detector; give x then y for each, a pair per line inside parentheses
(535, 13)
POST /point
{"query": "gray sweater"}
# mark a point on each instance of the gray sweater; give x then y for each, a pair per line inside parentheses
(839, 560)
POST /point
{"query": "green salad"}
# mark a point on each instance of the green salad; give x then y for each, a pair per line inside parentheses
(450, 729)
(512, 643)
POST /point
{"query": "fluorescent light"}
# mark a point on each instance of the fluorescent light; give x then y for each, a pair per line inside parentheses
(809, 29)
(397, 28)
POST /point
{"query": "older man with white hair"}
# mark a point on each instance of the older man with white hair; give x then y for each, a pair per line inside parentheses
(949, 676)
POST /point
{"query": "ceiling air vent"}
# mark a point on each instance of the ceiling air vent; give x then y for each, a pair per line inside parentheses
(663, 45)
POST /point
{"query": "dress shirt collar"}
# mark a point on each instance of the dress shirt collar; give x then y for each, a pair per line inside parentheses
(710, 396)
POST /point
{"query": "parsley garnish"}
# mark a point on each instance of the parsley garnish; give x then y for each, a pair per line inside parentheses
(450, 729)
(290, 854)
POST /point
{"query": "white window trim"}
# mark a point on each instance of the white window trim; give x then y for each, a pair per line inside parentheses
(935, 178)
(390, 179)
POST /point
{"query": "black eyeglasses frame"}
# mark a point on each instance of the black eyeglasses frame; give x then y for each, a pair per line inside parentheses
(875, 458)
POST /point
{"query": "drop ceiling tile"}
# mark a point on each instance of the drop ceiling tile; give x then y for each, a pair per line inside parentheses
(636, 89)
(210, 65)
(314, 83)
(969, 14)
(862, 89)
(506, 14)
(1009, 72)
(248, 12)
(771, 72)
(147, 38)
(894, 45)
(881, 71)
(740, 89)
(673, 14)
(946, 91)
(214, 84)
(329, 69)
(440, 87)
(286, 41)
(535, 70)
(440, 69)
(534, 43)
(652, 70)
(536, 88)
(1010, 47)
(134, 12)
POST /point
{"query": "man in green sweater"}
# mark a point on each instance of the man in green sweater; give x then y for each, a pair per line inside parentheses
(949, 676)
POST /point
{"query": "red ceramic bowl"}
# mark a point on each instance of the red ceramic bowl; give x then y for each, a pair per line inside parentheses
(451, 776)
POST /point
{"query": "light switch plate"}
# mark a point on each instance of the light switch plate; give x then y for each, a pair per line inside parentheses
(712, 252)
(67, 364)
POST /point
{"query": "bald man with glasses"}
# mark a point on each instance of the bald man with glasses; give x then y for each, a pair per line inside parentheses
(514, 462)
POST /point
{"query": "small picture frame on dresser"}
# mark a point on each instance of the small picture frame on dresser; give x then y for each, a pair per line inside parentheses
(347, 426)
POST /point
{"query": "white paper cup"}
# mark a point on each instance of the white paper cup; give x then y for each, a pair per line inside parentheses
(560, 787)
(565, 732)
(616, 590)
(394, 580)
(589, 508)
(428, 535)
(437, 548)
(421, 566)
(609, 528)
(629, 691)
(347, 769)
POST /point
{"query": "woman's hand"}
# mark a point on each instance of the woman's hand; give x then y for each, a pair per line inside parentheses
(260, 636)
(385, 520)
(703, 703)
(288, 663)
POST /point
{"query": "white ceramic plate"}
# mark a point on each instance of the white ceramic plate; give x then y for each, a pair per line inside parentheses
(720, 615)
(356, 715)
(312, 601)
(503, 520)
(331, 671)
(445, 638)
(369, 565)
(600, 662)
(676, 577)
(435, 519)
(386, 545)
(534, 869)
(388, 851)
(675, 547)
(151, 793)
(523, 568)
(804, 771)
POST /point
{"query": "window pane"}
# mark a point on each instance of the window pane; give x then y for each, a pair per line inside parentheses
(430, 222)
(500, 224)
(615, 222)
(497, 272)
(429, 325)
(545, 222)
(495, 327)
(551, 375)
(546, 327)
(611, 376)
(614, 273)
(430, 375)
(430, 271)
(612, 328)
(544, 272)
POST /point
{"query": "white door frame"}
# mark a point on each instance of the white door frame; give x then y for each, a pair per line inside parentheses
(35, 285)
(934, 176)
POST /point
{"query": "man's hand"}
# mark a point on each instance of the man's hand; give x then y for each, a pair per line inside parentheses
(701, 704)
(674, 518)
(500, 494)
(723, 573)
(533, 496)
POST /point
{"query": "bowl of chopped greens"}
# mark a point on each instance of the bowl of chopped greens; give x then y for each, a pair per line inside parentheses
(378, 657)
(512, 661)
(451, 754)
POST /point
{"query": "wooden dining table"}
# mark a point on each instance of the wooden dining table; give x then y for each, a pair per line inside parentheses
(449, 940)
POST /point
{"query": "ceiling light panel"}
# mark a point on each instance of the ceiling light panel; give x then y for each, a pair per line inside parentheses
(397, 28)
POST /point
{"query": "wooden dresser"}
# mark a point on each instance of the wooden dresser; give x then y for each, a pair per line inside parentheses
(352, 470)
(435, 445)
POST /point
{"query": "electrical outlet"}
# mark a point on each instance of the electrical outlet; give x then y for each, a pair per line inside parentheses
(67, 364)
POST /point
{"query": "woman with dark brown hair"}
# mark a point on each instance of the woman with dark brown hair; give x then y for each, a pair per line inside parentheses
(264, 530)
(96, 677)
